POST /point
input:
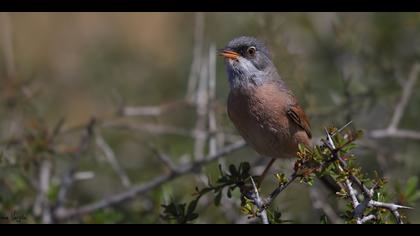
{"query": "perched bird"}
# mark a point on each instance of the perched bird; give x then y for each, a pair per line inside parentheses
(260, 105)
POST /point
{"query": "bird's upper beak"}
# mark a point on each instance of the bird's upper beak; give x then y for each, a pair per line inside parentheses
(229, 54)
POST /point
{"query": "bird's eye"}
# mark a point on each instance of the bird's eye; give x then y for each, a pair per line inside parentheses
(251, 51)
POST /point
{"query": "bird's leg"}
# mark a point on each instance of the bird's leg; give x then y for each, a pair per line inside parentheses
(264, 173)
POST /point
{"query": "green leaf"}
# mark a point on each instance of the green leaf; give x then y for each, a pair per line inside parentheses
(192, 206)
(244, 168)
(218, 198)
(192, 217)
(324, 219)
(232, 170)
(229, 193)
(411, 186)
(281, 178)
(301, 148)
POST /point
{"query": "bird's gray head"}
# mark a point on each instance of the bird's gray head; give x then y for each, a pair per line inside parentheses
(248, 62)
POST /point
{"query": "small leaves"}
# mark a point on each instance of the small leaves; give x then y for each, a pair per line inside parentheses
(281, 178)
(218, 198)
(411, 193)
(324, 220)
(235, 178)
(248, 208)
(177, 212)
(331, 159)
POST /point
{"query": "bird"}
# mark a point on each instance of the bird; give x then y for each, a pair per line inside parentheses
(264, 110)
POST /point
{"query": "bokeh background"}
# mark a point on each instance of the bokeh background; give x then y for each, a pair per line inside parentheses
(154, 86)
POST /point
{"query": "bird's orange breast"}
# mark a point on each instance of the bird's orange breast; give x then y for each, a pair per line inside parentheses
(260, 116)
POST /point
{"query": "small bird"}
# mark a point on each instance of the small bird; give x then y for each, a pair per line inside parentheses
(263, 109)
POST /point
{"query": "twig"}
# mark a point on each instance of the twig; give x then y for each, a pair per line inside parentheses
(165, 129)
(258, 202)
(319, 202)
(67, 179)
(406, 93)
(150, 110)
(141, 111)
(42, 205)
(112, 160)
(166, 160)
(83, 175)
(63, 213)
(196, 60)
(398, 133)
(212, 98)
(202, 101)
(366, 219)
(280, 189)
(368, 193)
(7, 44)
(392, 130)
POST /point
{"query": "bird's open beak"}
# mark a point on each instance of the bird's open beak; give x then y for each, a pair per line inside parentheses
(229, 54)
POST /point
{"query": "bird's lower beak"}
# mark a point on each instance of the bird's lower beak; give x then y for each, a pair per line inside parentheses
(229, 54)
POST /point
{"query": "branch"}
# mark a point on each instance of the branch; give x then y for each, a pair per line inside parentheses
(280, 189)
(165, 129)
(196, 60)
(259, 203)
(150, 110)
(319, 202)
(63, 214)
(166, 160)
(201, 101)
(368, 193)
(397, 133)
(366, 219)
(68, 178)
(7, 45)
(42, 206)
(392, 129)
(212, 98)
(112, 160)
(406, 93)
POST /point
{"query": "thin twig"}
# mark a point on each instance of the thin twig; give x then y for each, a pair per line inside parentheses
(368, 193)
(7, 45)
(366, 219)
(165, 129)
(406, 93)
(258, 202)
(63, 213)
(212, 98)
(319, 202)
(398, 133)
(112, 160)
(165, 159)
(392, 131)
(202, 100)
(280, 189)
(67, 179)
(42, 205)
(151, 111)
(197, 56)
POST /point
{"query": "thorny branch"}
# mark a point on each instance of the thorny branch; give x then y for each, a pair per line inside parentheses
(63, 214)
(201, 92)
(359, 205)
(367, 193)
(259, 203)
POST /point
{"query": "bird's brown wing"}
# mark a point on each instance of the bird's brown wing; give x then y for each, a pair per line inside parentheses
(297, 115)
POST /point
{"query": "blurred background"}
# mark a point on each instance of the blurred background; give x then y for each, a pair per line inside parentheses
(95, 104)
